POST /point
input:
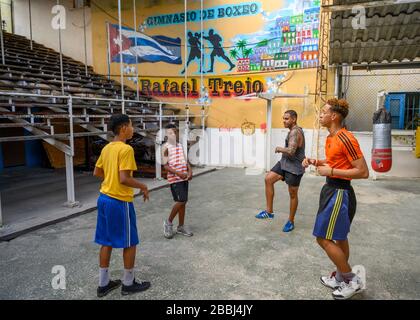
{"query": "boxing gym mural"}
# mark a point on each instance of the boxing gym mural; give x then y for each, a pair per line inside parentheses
(283, 38)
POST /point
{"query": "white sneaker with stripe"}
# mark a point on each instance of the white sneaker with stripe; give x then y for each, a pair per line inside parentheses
(330, 281)
(348, 290)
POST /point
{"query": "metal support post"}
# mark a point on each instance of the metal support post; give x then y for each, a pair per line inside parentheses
(61, 56)
(203, 150)
(268, 135)
(1, 216)
(84, 37)
(71, 199)
(108, 51)
(186, 132)
(1, 39)
(30, 24)
(137, 57)
(121, 58)
(158, 147)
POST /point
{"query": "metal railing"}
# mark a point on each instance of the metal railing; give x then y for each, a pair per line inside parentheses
(28, 122)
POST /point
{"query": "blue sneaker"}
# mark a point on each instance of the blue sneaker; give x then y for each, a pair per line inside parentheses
(289, 226)
(264, 215)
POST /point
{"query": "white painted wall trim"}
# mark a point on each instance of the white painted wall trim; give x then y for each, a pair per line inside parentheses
(233, 149)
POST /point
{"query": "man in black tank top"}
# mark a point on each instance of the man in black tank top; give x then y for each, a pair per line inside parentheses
(288, 169)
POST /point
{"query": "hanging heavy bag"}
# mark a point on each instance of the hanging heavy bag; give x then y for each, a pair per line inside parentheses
(381, 146)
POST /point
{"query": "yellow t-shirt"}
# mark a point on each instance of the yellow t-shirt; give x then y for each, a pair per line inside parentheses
(115, 157)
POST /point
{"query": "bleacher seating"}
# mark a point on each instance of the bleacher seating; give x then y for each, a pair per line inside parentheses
(37, 71)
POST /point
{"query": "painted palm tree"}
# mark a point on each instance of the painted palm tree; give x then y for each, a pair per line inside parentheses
(241, 44)
(233, 53)
(247, 52)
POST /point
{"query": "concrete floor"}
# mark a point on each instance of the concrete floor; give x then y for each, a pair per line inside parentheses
(231, 255)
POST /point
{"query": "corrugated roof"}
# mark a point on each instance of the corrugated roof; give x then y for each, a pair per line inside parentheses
(392, 34)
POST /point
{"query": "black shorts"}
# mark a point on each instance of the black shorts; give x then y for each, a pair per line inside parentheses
(180, 191)
(291, 179)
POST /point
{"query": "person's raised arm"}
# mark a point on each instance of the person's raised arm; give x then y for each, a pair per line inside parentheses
(359, 171)
(293, 144)
(313, 162)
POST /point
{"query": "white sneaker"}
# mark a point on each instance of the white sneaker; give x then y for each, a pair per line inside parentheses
(348, 290)
(360, 271)
(184, 230)
(168, 230)
(330, 281)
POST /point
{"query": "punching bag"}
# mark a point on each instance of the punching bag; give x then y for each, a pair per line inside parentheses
(381, 146)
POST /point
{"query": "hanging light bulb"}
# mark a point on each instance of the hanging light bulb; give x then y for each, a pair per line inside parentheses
(143, 26)
(280, 77)
(204, 96)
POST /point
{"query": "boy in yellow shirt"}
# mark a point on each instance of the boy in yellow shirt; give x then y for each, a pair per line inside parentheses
(116, 225)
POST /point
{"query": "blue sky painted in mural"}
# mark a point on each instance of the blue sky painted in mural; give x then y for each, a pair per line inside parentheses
(289, 48)
(289, 39)
(293, 8)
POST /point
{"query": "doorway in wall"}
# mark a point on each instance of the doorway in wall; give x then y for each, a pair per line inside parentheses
(404, 108)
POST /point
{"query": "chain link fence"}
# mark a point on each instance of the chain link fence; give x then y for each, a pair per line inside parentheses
(402, 86)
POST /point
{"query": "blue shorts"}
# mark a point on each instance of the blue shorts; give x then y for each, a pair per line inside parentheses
(337, 207)
(116, 225)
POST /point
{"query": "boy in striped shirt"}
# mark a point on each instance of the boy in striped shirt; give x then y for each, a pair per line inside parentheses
(179, 173)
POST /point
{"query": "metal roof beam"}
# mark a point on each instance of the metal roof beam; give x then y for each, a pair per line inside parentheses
(366, 4)
(383, 66)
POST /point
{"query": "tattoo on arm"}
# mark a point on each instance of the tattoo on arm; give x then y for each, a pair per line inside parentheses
(293, 143)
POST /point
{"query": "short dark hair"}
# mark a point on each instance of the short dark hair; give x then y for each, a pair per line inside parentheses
(117, 121)
(171, 126)
(292, 113)
(339, 106)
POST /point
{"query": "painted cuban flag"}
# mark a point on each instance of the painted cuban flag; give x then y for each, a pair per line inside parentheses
(146, 49)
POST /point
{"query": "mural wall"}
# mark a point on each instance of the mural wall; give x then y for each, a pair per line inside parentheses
(242, 48)
(289, 40)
